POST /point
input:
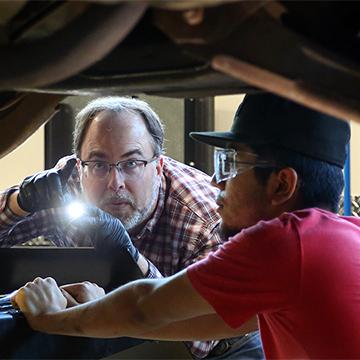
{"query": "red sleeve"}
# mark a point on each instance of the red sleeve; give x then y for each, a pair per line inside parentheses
(256, 271)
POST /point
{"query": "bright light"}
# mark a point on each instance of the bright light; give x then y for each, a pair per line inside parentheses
(75, 210)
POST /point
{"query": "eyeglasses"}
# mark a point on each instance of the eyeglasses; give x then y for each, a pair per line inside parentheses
(227, 166)
(132, 169)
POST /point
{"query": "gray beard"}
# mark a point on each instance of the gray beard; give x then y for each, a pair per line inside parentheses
(139, 216)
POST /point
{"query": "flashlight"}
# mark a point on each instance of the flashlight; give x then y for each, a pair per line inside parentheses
(75, 209)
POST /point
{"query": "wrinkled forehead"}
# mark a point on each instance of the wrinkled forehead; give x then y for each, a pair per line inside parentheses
(123, 125)
(117, 134)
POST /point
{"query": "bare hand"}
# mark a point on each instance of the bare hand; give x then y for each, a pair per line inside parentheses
(80, 293)
(40, 297)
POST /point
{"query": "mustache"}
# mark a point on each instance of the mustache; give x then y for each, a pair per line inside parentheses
(118, 197)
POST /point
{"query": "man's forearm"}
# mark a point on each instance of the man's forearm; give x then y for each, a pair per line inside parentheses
(120, 314)
(131, 310)
(117, 314)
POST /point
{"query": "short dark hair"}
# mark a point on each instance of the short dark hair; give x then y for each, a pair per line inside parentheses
(320, 183)
(117, 104)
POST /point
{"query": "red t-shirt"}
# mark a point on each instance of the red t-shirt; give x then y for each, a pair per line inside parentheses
(300, 273)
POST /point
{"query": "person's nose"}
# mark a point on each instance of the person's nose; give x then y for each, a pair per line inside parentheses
(220, 185)
(116, 179)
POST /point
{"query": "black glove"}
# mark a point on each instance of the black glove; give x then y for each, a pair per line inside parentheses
(106, 232)
(45, 189)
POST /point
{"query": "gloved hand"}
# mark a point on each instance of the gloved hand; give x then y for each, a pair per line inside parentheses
(106, 232)
(45, 189)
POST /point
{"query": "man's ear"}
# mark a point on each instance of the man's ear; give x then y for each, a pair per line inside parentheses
(159, 165)
(282, 186)
(78, 167)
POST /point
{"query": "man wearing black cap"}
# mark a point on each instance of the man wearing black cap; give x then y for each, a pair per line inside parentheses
(291, 262)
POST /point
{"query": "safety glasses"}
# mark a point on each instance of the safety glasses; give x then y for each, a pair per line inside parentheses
(228, 163)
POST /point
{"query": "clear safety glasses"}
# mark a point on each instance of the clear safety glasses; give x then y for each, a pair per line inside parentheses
(227, 163)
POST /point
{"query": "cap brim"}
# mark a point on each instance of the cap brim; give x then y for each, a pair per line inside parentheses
(215, 138)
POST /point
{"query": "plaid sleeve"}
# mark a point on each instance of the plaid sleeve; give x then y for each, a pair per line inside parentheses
(7, 217)
(205, 242)
(9, 220)
(153, 272)
(4, 196)
(14, 229)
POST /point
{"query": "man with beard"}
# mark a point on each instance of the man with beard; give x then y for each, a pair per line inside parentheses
(168, 208)
(293, 262)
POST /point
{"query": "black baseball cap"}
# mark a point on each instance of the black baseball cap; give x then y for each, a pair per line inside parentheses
(266, 119)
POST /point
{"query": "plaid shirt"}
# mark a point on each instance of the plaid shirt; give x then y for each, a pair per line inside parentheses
(183, 229)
